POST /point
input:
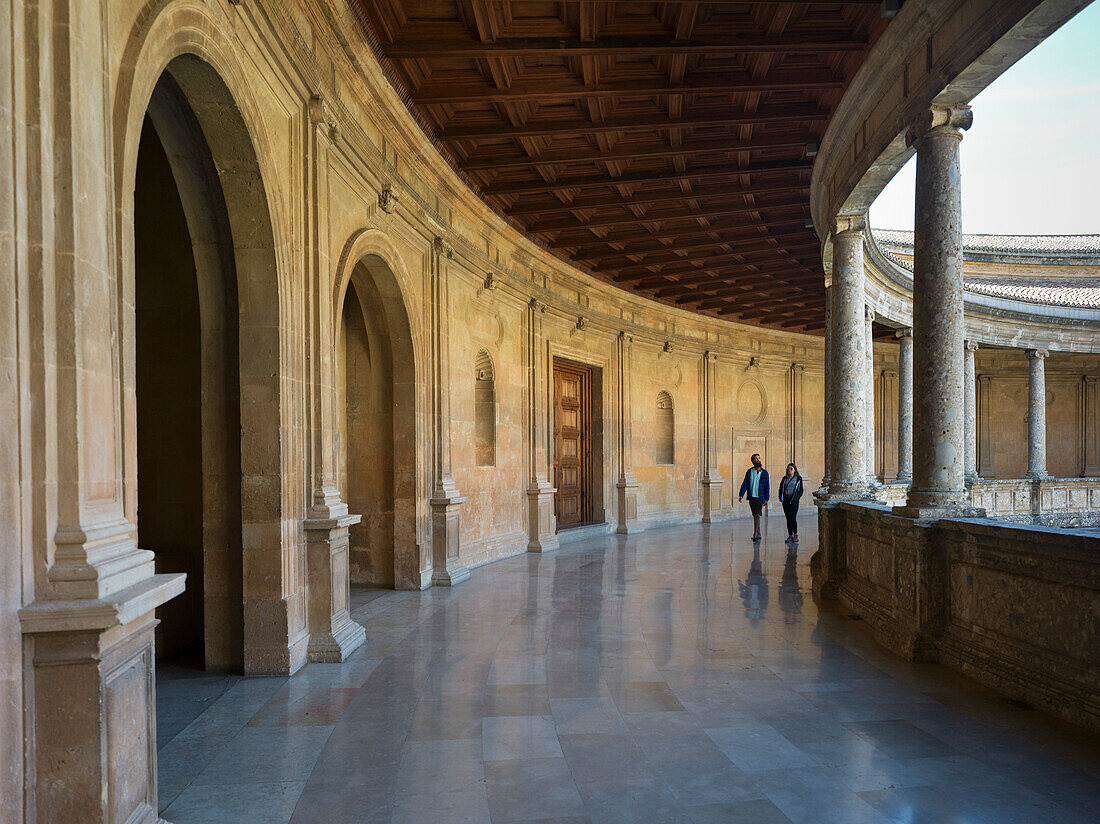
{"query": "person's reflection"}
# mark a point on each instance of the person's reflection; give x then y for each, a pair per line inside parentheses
(754, 589)
(790, 593)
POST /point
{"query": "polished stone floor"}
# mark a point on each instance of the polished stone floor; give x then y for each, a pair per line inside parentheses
(676, 676)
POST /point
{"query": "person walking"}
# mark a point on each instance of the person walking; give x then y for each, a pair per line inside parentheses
(755, 486)
(790, 491)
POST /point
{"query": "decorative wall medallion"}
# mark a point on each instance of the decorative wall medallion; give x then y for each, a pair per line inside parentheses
(387, 199)
(752, 401)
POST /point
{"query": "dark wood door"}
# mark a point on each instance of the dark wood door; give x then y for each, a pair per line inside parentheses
(572, 444)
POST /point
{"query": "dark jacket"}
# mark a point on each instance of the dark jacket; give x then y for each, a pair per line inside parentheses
(790, 489)
(746, 485)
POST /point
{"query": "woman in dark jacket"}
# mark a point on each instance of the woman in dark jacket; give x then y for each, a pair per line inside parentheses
(790, 491)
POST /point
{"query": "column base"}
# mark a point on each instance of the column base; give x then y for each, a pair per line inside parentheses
(447, 569)
(627, 506)
(335, 647)
(973, 479)
(712, 499)
(907, 478)
(92, 700)
(333, 635)
(935, 513)
(541, 534)
(1037, 475)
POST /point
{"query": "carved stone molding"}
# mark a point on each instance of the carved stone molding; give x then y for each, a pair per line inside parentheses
(387, 199)
(442, 247)
(947, 120)
(849, 223)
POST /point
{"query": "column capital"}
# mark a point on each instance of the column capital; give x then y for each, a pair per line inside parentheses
(1089, 378)
(442, 247)
(942, 120)
(537, 305)
(904, 332)
(985, 378)
(970, 346)
(1037, 353)
(710, 356)
(321, 116)
(869, 313)
(849, 223)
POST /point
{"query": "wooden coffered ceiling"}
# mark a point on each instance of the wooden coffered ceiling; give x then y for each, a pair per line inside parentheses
(664, 147)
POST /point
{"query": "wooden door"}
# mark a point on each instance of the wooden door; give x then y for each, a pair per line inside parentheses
(572, 444)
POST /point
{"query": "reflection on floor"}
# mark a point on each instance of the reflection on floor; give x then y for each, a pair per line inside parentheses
(682, 675)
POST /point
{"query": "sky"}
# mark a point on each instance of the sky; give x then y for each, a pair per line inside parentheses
(1031, 161)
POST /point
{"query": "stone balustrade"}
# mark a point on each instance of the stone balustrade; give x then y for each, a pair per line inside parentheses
(1055, 502)
(1011, 605)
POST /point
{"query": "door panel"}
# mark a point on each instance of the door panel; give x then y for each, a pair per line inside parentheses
(572, 444)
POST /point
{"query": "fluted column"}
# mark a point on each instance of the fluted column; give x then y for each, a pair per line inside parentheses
(970, 399)
(712, 479)
(938, 400)
(869, 399)
(905, 405)
(1036, 414)
(447, 570)
(848, 362)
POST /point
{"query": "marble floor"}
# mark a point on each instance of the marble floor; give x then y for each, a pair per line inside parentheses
(682, 675)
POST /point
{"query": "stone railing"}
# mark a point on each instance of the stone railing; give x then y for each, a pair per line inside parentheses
(1011, 605)
(1055, 502)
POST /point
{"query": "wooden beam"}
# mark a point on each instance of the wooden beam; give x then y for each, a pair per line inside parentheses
(584, 243)
(701, 245)
(636, 151)
(624, 45)
(767, 267)
(615, 200)
(696, 173)
(705, 261)
(566, 88)
(642, 122)
(677, 215)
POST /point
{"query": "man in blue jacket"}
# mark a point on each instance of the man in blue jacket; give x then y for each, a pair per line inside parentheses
(755, 486)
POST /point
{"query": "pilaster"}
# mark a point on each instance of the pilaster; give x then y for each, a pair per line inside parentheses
(626, 485)
(986, 463)
(869, 399)
(1090, 426)
(446, 500)
(970, 398)
(711, 479)
(541, 524)
(905, 405)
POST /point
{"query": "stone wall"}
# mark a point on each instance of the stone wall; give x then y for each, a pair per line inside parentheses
(1013, 606)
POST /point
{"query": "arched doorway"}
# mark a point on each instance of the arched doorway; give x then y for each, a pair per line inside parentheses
(203, 253)
(377, 428)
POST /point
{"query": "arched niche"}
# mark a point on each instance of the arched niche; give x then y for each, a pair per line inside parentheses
(665, 430)
(376, 441)
(485, 410)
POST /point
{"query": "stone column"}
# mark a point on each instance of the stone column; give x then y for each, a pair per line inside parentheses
(905, 405)
(332, 633)
(869, 400)
(541, 532)
(1090, 418)
(1036, 414)
(447, 570)
(970, 400)
(626, 485)
(938, 486)
(847, 373)
(828, 422)
(712, 481)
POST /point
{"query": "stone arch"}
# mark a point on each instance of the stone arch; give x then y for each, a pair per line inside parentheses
(485, 410)
(665, 452)
(369, 292)
(188, 46)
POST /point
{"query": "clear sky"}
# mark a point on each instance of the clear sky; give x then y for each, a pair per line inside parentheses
(1031, 161)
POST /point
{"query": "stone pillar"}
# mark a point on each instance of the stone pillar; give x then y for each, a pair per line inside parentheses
(1090, 419)
(970, 400)
(1036, 414)
(905, 405)
(712, 480)
(869, 400)
(541, 530)
(847, 368)
(828, 422)
(332, 633)
(78, 596)
(938, 486)
(447, 570)
(626, 485)
(985, 427)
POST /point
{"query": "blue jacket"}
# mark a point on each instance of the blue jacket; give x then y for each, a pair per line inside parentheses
(746, 485)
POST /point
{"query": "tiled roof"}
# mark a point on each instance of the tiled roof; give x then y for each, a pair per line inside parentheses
(1054, 245)
(1078, 292)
